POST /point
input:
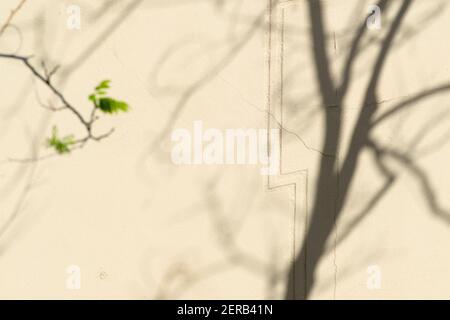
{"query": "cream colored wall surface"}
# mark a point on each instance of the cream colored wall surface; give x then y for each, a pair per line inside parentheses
(140, 227)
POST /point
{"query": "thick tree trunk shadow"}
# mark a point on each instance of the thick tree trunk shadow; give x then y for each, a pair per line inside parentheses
(334, 179)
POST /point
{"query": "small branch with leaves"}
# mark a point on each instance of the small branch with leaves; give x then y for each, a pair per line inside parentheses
(99, 99)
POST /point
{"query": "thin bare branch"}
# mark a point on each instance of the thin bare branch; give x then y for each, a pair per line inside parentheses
(11, 16)
(46, 81)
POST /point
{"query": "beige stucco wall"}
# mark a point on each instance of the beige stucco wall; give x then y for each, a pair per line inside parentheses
(140, 227)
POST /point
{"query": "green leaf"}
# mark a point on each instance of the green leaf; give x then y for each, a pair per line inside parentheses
(61, 146)
(107, 104)
(110, 105)
(103, 85)
(93, 98)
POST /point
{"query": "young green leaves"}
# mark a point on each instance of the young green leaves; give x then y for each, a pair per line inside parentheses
(61, 145)
(101, 102)
(107, 104)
